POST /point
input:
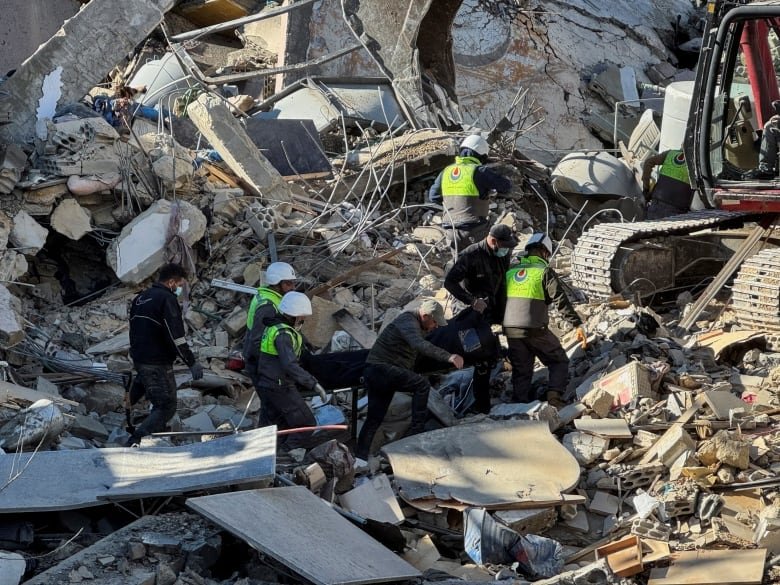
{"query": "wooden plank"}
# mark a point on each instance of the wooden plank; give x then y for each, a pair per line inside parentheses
(611, 428)
(712, 567)
(364, 337)
(652, 452)
(65, 480)
(12, 393)
(301, 531)
(221, 175)
(344, 276)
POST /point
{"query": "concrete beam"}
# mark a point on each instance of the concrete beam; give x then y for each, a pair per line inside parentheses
(228, 136)
(75, 59)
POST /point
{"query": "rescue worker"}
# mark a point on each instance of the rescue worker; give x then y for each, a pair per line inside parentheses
(672, 194)
(770, 144)
(531, 286)
(156, 340)
(463, 189)
(279, 372)
(279, 279)
(389, 368)
(477, 279)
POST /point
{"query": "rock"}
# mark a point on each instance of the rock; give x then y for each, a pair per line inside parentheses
(599, 400)
(27, 234)
(88, 427)
(71, 220)
(726, 448)
(39, 424)
(188, 398)
(198, 422)
(320, 327)
(140, 248)
(104, 397)
(235, 322)
(11, 331)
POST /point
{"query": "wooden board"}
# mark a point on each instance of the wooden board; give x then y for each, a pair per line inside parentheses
(495, 464)
(610, 428)
(712, 567)
(65, 480)
(301, 531)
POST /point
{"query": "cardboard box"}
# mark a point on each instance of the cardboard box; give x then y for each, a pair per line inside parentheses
(623, 556)
(625, 384)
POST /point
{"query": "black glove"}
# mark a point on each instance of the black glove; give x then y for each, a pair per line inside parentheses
(197, 371)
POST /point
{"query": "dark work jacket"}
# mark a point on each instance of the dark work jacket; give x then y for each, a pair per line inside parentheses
(479, 273)
(157, 329)
(284, 369)
(401, 342)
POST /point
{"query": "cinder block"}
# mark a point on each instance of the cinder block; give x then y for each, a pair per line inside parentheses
(635, 476)
(647, 528)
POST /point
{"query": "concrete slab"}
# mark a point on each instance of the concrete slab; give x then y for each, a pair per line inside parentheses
(65, 68)
(47, 481)
(301, 531)
(374, 499)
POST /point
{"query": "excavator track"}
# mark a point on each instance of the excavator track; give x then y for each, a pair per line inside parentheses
(593, 259)
(756, 292)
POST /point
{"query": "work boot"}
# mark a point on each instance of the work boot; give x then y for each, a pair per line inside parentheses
(759, 174)
(554, 398)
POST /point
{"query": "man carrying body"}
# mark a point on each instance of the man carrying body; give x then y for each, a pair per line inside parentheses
(156, 340)
(279, 372)
(531, 286)
(478, 280)
(389, 368)
(463, 188)
(672, 194)
(279, 279)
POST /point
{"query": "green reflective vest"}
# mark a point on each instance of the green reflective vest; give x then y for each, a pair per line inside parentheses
(460, 194)
(674, 166)
(526, 307)
(264, 295)
(673, 186)
(268, 344)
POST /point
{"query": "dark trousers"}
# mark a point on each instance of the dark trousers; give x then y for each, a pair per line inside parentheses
(284, 407)
(548, 349)
(381, 382)
(159, 385)
(463, 237)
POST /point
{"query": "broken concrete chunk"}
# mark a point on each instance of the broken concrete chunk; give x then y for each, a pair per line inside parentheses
(12, 163)
(586, 448)
(87, 427)
(141, 247)
(27, 235)
(71, 220)
(599, 400)
(37, 425)
(727, 448)
(230, 140)
(11, 331)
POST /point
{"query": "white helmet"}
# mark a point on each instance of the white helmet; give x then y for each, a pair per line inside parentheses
(476, 143)
(279, 271)
(540, 239)
(295, 304)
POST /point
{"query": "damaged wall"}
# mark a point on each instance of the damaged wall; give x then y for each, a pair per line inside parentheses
(539, 48)
(25, 24)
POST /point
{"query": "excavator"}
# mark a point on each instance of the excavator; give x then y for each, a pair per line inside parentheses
(736, 83)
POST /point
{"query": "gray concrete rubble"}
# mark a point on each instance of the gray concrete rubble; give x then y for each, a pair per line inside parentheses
(663, 445)
(63, 69)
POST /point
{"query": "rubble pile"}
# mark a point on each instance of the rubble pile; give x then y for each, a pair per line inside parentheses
(661, 461)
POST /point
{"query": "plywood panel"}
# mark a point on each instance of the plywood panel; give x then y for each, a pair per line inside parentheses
(712, 567)
(300, 530)
(63, 480)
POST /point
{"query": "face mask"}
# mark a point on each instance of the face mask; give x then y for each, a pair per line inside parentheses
(501, 252)
(178, 291)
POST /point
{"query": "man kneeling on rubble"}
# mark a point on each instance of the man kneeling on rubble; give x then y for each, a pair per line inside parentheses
(531, 286)
(279, 372)
(156, 340)
(389, 368)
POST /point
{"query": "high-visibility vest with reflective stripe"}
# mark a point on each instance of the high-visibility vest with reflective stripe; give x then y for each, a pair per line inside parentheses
(526, 307)
(264, 295)
(673, 186)
(268, 344)
(460, 194)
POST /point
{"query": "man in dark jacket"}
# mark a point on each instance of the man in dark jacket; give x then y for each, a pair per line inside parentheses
(389, 368)
(463, 189)
(531, 287)
(156, 340)
(477, 280)
(279, 372)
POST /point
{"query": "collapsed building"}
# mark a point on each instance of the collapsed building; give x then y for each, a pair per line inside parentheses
(310, 132)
